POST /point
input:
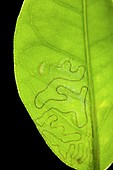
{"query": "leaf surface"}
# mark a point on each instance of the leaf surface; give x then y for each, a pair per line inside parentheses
(63, 57)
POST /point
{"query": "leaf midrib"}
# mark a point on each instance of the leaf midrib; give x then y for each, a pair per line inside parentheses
(95, 141)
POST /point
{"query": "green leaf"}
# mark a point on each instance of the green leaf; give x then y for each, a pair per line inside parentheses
(63, 59)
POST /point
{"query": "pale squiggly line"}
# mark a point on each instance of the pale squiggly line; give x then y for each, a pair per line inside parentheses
(80, 160)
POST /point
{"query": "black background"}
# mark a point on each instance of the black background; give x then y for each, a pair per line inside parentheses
(22, 145)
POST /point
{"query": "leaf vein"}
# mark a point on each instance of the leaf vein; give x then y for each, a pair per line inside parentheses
(104, 118)
(100, 40)
(63, 52)
(95, 142)
(77, 11)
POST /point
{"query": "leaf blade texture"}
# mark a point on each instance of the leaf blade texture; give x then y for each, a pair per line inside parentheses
(63, 52)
